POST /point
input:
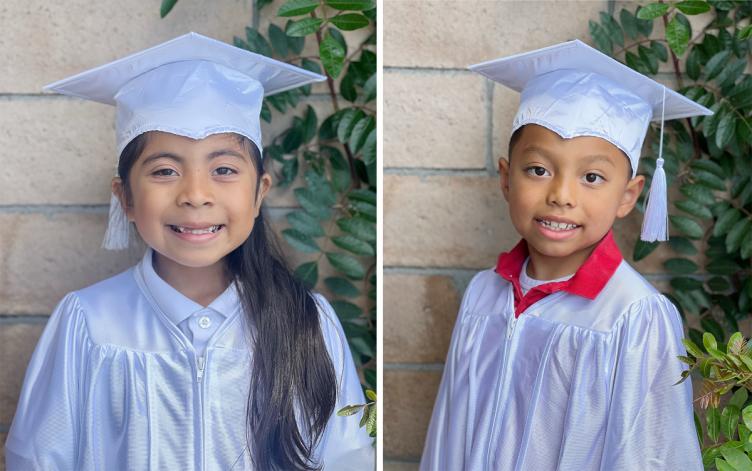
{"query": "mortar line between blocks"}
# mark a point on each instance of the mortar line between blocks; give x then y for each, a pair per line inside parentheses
(24, 319)
(4, 428)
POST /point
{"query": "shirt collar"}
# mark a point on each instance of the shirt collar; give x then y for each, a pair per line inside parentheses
(175, 305)
(588, 281)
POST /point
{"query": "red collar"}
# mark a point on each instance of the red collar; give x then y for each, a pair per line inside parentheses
(588, 281)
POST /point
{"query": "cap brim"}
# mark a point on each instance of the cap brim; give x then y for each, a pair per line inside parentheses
(102, 83)
(516, 71)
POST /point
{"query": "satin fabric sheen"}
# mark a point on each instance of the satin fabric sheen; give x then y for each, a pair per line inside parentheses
(577, 384)
(113, 385)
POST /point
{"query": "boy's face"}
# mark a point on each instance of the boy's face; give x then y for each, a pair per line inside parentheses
(181, 184)
(564, 194)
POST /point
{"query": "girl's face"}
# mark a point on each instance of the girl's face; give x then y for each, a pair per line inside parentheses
(194, 200)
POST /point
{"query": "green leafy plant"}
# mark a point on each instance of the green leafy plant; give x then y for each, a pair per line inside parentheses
(336, 155)
(368, 419)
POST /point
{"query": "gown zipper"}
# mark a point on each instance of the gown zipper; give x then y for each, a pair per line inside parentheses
(200, 368)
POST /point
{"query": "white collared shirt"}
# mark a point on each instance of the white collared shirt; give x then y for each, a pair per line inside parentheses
(197, 323)
(527, 283)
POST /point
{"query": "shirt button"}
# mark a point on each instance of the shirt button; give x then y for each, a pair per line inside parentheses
(204, 322)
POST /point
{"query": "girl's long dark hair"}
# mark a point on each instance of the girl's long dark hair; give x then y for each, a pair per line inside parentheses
(292, 378)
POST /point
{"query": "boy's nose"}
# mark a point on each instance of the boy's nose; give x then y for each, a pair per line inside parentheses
(562, 192)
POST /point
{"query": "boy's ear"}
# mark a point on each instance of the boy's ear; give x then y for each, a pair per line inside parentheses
(631, 193)
(504, 175)
(116, 186)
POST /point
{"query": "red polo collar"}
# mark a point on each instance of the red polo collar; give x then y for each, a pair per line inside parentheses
(588, 281)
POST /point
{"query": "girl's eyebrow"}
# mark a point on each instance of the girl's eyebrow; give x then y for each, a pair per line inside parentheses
(180, 160)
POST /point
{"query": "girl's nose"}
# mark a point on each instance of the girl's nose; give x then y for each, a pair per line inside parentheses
(562, 192)
(196, 190)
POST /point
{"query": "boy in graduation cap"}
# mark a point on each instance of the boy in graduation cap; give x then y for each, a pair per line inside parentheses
(564, 357)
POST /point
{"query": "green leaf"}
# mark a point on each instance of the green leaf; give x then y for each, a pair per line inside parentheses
(709, 456)
(360, 132)
(332, 55)
(642, 249)
(686, 284)
(289, 172)
(354, 245)
(698, 193)
(739, 398)
(716, 64)
(308, 274)
(687, 226)
(257, 43)
(745, 32)
(682, 245)
(304, 27)
(320, 188)
(363, 195)
(357, 227)
(342, 287)
(708, 179)
(612, 28)
(677, 36)
(729, 419)
(262, 3)
(723, 266)
(339, 38)
(305, 223)
(350, 410)
(744, 434)
(681, 265)
(296, 45)
(747, 416)
(723, 465)
(365, 210)
(726, 221)
(711, 122)
(371, 396)
(600, 38)
(693, 65)
(709, 341)
(328, 129)
(712, 326)
(346, 124)
(278, 102)
(735, 458)
(629, 23)
(709, 166)
(732, 72)
(346, 310)
(369, 148)
(653, 10)
(693, 208)
(718, 284)
(744, 128)
(278, 39)
(297, 8)
(350, 21)
(312, 204)
(659, 50)
(738, 187)
(746, 247)
(355, 5)
(300, 241)
(266, 113)
(737, 234)
(369, 88)
(347, 88)
(713, 420)
(725, 131)
(692, 348)
(648, 58)
(692, 7)
(341, 177)
(698, 429)
(166, 7)
(347, 265)
(688, 303)
(371, 422)
(635, 63)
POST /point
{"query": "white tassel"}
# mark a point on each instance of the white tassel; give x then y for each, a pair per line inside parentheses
(655, 224)
(117, 236)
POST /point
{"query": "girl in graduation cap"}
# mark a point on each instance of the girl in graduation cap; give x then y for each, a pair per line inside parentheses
(209, 354)
(563, 356)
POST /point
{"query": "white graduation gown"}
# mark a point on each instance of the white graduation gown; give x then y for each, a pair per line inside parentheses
(574, 384)
(113, 384)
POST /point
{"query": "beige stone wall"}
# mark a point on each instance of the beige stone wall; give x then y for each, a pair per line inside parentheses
(57, 154)
(444, 214)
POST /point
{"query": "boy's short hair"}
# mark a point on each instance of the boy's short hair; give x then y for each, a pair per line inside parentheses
(517, 135)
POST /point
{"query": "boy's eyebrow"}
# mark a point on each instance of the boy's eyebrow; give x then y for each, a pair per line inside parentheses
(600, 158)
(180, 160)
(533, 149)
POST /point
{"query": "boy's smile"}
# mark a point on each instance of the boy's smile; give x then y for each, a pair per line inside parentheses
(564, 195)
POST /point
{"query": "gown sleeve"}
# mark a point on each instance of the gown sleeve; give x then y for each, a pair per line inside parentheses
(345, 445)
(651, 421)
(44, 433)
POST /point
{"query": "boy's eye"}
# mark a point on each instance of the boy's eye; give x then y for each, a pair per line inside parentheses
(593, 178)
(537, 171)
(164, 172)
(225, 171)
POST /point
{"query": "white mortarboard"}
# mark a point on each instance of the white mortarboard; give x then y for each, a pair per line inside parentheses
(191, 86)
(574, 90)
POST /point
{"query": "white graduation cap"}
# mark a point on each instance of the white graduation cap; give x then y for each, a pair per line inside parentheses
(191, 86)
(574, 90)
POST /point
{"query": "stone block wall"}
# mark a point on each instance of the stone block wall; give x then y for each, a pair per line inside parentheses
(445, 217)
(57, 154)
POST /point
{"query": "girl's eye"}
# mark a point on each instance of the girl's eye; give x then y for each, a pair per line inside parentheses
(593, 178)
(225, 171)
(537, 171)
(161, 173)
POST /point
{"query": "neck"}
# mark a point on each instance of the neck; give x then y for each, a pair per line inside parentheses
(201, 285)
(543, 267)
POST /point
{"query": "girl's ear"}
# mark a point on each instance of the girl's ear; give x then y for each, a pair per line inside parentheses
(504, 174)
(631, 193)
(265, 184)
(116, 186)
